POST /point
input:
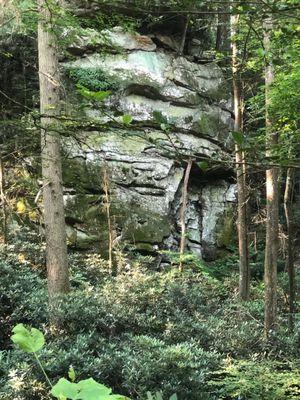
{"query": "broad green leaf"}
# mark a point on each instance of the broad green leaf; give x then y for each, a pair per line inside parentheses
(99, 96)
(173, 397)
(64, 388)
(29, 340)
(127, 119)
(89, 389)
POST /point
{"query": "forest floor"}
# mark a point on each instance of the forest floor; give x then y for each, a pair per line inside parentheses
(146, 330)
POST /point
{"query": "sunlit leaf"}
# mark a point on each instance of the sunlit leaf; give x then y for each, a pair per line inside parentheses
(29, 340)
(65, 388)
(127, 119)
(71, 374)
(21, 207)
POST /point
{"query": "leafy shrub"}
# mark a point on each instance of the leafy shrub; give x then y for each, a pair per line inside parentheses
(22, 296)
(31, 341)
(93, 79)
(136, 332)
(151, 364)
(253, 380)
(224, 267)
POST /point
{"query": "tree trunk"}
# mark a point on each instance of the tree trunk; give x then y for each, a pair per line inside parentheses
(288, 201)
(3, 200)
(183, 209)
(54, 217)
(107, 205)
(271, 247)
(184, 33)
(223, 30)
(242, 225)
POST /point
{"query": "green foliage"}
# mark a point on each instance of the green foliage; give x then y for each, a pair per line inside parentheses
(238, 137)
(87, 389)
(150, 363)
(158, 396)
(71, 374)
(88, 94)
(29, 340)
(23, 291)
(203, 165)
(20, 17)
(224, 267)
(127, 119)
(138, 332)
(101, 21)
(285, 95)
(92, 79)
(253, 380)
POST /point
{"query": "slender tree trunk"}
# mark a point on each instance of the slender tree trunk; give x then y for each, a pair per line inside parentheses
(242, 225)
(106, 185)
(183, 38)
(272, 174)
(288, 209)
(3, 200)
(183, 209)
(54, 216)
(223, 30)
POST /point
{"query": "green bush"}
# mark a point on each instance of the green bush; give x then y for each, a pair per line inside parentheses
(22, 296)
(253, 380)
(150, 364)
(93, 79)
(136, 332)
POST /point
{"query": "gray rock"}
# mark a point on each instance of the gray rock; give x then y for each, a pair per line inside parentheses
(115, 39)
(166, 73)
(145, 161)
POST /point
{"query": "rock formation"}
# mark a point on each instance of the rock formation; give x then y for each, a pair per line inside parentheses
(175, 109)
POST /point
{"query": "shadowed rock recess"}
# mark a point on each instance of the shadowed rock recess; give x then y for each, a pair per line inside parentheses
(177, 109)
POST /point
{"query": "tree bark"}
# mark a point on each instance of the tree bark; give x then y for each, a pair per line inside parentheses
(184, 33)
(242, 224)
(288, 209)
(183, 209)
(107, 205)
(3, 200)
(223, 31)
(54, 216)
(272, 174)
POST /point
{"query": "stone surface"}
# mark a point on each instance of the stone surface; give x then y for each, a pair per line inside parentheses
(216, 200)
(160, 71)
(145, 161)
(115, 39)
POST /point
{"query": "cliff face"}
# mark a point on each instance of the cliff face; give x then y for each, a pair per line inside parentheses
(175, 109)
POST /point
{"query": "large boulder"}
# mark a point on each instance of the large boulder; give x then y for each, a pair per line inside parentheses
(178, 110)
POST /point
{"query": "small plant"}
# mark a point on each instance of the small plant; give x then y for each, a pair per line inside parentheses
(158, 396)
(31, 341)
(93, 79)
